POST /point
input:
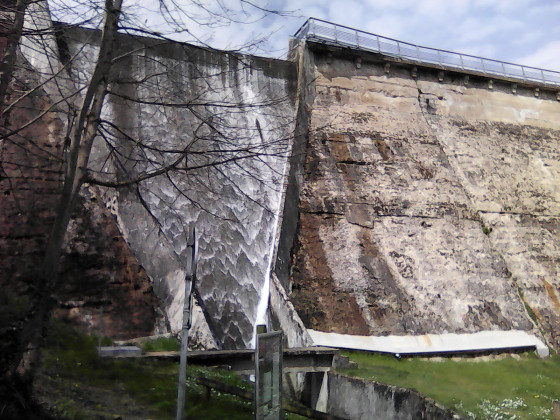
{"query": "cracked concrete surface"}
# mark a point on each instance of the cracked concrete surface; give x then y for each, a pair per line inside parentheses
(427, 207)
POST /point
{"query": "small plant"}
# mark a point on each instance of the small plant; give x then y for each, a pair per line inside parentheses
(161, 344)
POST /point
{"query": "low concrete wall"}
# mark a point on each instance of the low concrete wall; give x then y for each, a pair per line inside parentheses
(355, 398)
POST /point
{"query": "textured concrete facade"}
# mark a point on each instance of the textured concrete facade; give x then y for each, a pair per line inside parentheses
(427, 206)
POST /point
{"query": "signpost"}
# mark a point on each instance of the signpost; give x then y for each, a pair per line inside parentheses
(268, 375)
(190, 279)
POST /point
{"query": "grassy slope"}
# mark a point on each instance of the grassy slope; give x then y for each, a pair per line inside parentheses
(76, 384)
(521, 387)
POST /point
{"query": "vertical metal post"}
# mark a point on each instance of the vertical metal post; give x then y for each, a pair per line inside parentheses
(261, 329)
(378, 44)
(504, 69)
(99, 337)
(268, 374)
(190, 278)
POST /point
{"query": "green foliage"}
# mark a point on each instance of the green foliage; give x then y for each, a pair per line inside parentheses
(161, 344)
(14, 308)
(520, 387)
(72, 372)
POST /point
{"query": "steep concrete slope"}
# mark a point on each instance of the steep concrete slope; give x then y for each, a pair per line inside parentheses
(426, 207)
(219, 101)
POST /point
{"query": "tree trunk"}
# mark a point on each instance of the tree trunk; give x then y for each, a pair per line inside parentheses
(83, 135)
(12, 40)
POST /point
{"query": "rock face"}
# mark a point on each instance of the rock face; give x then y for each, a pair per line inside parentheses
(426, 207)
(97, 269)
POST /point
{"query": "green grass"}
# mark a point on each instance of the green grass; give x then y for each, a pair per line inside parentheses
(161, 344)
(80, 385)
(521, 387)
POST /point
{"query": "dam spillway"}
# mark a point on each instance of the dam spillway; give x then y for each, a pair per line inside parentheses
(413, 198)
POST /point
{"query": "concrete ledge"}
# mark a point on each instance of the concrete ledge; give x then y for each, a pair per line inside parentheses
(141, 340)
(434, 343)
(121, 351)
(296, 360)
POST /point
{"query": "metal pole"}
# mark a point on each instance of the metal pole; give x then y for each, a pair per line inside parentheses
(99, 337)
(190, 278)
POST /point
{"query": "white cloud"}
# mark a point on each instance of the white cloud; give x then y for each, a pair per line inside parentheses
(502, 29)
(546, 57)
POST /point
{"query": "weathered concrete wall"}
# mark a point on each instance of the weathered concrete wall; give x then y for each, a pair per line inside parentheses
(427, 207)
(360, 399)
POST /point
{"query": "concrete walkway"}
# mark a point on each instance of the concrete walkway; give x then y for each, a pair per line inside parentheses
(434, 343)
(295, 360)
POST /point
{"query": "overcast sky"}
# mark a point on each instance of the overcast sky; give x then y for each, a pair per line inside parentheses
(519, 31)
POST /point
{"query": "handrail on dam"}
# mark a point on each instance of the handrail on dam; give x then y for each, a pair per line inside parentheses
(322, 31)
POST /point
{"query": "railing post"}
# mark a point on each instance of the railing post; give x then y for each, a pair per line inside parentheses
(542, 75)
(417, 53)
(439, 58)
(399, 48)
(357, 39)
(482, 63)
(504, 69)
(335, 34)
(523, 72)
(462, 63)
(378, 44)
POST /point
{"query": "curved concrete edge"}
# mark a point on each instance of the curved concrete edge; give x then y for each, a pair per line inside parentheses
(433, 343)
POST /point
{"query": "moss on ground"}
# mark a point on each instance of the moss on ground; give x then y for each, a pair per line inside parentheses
(507, 387)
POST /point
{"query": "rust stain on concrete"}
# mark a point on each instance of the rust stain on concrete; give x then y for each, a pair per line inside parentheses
(553, 295)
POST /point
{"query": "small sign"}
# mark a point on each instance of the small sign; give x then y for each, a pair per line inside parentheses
(268, 376)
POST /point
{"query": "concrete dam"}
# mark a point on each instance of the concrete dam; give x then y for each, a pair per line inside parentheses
(397, 196)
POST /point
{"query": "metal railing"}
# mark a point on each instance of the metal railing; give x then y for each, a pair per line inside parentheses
(322, 31)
